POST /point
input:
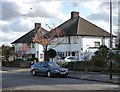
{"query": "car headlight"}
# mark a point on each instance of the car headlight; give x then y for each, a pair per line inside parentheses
(57, 70)
(66, 70)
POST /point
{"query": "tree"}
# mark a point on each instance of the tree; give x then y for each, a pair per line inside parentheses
(24, 48)
(117, 41)
(7, 51)
(100, 56)
(50, 38)
(52, 53)
(102, 51)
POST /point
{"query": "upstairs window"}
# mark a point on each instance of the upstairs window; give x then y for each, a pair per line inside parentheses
(97, 44)
(33, 45)
(29, 45)
(74, 40)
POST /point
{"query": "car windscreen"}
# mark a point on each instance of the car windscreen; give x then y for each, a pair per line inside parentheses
(53, 65)
(72, 58)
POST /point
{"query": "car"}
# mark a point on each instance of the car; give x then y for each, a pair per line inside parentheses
(60, 59)
(49, 69)
(70, 59)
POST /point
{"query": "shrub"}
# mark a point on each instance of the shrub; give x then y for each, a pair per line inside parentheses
(32, 59)
(99, 62)
(63, 64)
(18, 60)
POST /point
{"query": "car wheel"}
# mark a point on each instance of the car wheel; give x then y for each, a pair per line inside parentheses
(65, 75)
(34, 73)
(48, 74)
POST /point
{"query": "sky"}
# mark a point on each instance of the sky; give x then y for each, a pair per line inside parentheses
(18, 17)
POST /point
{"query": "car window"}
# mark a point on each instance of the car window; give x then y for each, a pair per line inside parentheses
(43, 64)
(53, 64)
(38, 64)
(71, 58)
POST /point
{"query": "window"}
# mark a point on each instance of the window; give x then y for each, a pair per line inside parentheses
(29, 45)
(97, 44)
(74, 40)
(41, 56)
(73, 53)
(33, 45)
(65, 40)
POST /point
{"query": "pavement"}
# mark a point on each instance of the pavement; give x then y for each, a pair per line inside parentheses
(91, 76)
(94, 76)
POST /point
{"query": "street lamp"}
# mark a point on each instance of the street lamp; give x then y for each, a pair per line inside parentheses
(110, 68)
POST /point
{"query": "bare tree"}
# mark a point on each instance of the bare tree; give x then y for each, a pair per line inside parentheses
(24, 48)
(51, 38)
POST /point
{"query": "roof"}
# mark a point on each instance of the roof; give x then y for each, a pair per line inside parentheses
(69, 27)
(81, 27)
(27, 38)
(75, 26)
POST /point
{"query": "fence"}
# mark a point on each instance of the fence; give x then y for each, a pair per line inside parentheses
(91, 66)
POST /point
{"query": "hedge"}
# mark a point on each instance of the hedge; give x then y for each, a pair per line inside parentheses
(17, 64)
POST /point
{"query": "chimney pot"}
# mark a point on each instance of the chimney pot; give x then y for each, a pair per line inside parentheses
(37, 25)
(74, 14)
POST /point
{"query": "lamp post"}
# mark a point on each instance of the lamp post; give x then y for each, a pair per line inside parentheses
(110, 67)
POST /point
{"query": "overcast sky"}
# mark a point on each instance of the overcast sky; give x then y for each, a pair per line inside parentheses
(18, 16)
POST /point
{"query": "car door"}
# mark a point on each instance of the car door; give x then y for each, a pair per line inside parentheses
(43, 68)
(37, 67)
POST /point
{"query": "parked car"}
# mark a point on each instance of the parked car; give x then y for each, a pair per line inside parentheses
(60, 59)
(70, 59)
(49, 69)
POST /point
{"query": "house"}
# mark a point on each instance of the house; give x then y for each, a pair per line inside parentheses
(24, 46)
(81, 39)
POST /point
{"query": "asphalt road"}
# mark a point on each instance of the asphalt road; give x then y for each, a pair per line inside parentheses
(17, 80)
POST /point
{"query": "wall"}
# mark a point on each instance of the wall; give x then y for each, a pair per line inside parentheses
(81, 46)
(89, 42)
(37, 49)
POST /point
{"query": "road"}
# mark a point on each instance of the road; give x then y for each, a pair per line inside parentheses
(17, 80)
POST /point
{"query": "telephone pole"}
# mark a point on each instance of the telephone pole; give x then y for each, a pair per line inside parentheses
(110, 40)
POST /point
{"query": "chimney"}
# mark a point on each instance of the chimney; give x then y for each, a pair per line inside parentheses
(37, 25)
(74, 14)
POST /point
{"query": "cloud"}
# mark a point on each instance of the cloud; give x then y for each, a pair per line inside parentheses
(9, 11)
(99, 16)
(47, 10)
(18, 17)
(8, 37)
(102, 12)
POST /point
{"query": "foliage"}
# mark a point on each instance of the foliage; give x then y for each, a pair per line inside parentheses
(99, 61)
(32, 59)
(18, 60)
(100, 57)
(63, 64)
(6, 51)
(116, 57)
(51, 53)
(102, 51)
(117, 40)
(23, 49)
(17, 64)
